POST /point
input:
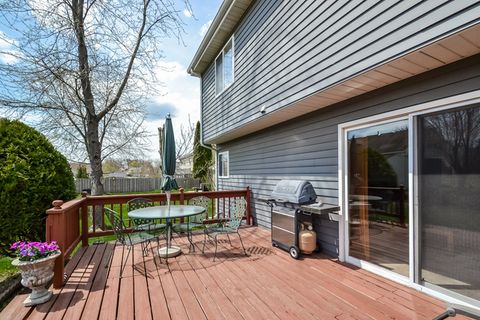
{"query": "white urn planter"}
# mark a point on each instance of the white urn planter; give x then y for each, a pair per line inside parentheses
(36, 275)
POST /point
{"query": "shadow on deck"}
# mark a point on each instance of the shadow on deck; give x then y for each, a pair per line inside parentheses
(267, 284)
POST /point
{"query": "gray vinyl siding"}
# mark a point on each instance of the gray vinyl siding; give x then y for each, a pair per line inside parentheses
(307, 147)
(287, 50)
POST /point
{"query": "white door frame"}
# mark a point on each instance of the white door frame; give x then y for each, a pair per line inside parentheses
(409, 113)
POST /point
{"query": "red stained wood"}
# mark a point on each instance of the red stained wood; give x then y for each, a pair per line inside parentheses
(268, 284)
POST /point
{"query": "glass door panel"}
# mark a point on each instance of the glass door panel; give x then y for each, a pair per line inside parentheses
(449, 199)
(378, 195)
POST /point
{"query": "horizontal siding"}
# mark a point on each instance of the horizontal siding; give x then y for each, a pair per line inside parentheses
(306, 147)
(291, 49)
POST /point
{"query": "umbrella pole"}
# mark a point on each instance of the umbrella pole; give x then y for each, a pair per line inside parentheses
(169, 223)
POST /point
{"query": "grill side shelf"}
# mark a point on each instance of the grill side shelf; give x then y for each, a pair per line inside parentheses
(330, 210)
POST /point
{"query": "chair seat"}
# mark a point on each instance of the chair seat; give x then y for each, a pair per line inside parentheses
(139, 237)
(151, 226)
(186, 226)
(220, 230)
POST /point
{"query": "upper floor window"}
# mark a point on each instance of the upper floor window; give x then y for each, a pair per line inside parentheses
(224, 68)
(223, 170)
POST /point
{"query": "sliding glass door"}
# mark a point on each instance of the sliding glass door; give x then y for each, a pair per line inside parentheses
(427, 162)
(378, 195)
(449, 199)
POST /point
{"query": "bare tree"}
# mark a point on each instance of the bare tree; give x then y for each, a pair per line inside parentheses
(184, 141)
(82, 69)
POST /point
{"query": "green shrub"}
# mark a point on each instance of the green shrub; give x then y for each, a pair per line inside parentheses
(32, 175)
(82, 172)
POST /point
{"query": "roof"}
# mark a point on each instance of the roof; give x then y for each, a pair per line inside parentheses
(226, 19)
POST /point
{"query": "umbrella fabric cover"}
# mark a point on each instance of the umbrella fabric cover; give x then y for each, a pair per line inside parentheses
(168, 154)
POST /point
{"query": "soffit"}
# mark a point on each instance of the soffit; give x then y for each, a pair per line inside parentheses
(437, 54)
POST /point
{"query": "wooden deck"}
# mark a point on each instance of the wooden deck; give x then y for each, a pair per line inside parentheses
(267, 284)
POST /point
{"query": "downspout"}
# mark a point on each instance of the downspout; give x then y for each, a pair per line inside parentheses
(214, 150)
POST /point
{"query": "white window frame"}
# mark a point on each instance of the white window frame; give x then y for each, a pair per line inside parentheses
(409, 113)
(222, 54)
(223, 155)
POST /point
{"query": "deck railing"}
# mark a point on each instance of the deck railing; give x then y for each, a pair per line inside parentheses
(63, 220)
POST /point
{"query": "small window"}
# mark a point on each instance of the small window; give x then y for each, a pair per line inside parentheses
(224, 68)
(223, 163)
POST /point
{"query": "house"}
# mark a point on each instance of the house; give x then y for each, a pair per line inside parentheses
(365, 100)
(185, 165)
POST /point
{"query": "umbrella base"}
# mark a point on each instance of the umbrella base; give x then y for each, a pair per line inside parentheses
(169, 252)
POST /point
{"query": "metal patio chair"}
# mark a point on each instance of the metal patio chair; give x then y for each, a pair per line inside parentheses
(145, 225)
(237, 211)
(125, 238)
(193, 221)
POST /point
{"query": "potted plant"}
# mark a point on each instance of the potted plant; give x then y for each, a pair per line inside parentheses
(35, 261)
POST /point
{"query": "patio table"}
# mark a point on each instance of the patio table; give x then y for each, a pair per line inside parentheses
(169, 213)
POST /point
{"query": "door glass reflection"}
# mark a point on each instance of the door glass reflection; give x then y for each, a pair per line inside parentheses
(449, 199)
(378, 195)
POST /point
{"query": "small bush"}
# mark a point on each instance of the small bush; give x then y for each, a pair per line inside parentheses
(82, 172)
(32, 175)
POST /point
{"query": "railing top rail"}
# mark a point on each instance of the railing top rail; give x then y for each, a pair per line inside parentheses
(60, 207)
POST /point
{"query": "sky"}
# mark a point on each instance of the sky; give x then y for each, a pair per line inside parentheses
(180, 91)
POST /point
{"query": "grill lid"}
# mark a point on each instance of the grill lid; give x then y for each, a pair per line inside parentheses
(294, 191)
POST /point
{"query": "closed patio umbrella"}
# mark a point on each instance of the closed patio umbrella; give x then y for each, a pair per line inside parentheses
(169, 182)
(168, 159)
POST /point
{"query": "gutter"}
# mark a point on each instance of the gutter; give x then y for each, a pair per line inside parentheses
(212, 30)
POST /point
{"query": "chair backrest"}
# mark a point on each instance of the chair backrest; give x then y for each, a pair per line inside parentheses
(238, 209)
(200, 201)
(117, 225)
(139, 203)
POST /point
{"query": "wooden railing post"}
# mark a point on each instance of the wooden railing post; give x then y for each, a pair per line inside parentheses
(54, 231)
(182, 196)
(84, 221)
(248, 197)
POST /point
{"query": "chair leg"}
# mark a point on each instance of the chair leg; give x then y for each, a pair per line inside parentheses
(126, 260)
(204, 242)
(240, 237)
(216, 246)
(192, 244)
(230, 241)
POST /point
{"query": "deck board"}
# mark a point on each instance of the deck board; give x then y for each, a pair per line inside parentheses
(266, 284)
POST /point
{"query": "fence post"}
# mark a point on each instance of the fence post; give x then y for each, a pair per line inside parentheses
(56, 221)
(84, 222)
(248, 197)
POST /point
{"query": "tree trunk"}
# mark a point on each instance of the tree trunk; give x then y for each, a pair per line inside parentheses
(95, 156)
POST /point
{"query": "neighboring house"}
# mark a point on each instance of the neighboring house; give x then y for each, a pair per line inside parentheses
(74, 166)
(185, 165)
(306, 90)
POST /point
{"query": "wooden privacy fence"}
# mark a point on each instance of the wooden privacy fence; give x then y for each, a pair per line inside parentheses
(125, 185)
(64, 219)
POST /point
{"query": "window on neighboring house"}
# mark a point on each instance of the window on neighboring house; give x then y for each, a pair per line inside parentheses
(224, 68)
(223, 170)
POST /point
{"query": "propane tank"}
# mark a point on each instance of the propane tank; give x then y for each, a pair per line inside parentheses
(307, 239)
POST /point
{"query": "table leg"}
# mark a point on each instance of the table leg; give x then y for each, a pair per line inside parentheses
(169, 251)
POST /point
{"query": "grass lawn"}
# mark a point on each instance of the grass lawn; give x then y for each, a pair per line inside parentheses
(6, 268)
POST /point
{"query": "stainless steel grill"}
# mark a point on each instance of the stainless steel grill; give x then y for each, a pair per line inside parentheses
(290, 204)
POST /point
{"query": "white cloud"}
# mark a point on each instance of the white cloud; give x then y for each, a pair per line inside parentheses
(183, 92)
(204, 28)
(187, 13)
(7, 54)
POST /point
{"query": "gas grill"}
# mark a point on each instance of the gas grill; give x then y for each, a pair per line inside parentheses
(290, 202)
